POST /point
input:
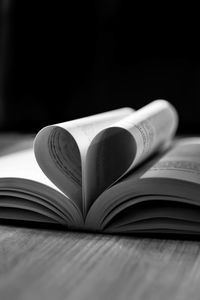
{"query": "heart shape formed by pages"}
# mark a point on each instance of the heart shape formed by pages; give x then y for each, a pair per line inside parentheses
(84, 157)
(108, 157)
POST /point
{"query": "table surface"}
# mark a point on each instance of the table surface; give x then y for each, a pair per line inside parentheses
(54, 264)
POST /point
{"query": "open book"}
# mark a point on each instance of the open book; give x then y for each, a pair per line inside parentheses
(119, 171)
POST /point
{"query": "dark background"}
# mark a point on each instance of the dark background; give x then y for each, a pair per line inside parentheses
(62, 62)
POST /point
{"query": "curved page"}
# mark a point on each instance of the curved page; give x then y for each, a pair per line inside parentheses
(23, 182)
(119, 148)
(173, 177)
(61, 150)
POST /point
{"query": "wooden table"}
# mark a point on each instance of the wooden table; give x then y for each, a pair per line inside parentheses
(54, 264)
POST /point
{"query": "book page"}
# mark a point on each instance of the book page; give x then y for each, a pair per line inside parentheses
(61, 150)
(23, 185)
(151, 126)
(123, 145)
(172, 177)
(182, 162)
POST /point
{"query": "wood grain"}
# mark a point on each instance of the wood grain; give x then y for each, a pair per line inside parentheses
(49, 264)
(38, 264)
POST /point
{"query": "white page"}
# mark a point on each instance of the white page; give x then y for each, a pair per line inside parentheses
(151, 126)
(74, 133)
(20, 173)
(182, 162)
(124, 144)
